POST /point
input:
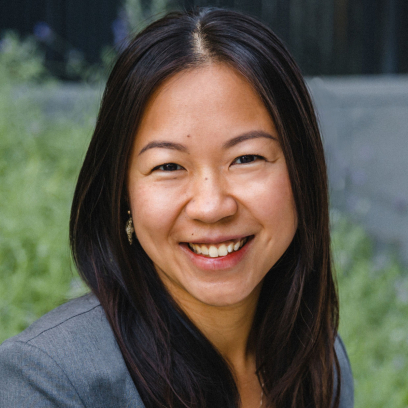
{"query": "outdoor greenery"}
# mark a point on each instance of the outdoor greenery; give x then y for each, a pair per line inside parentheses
(39, 161)
(139, 14)
(373, 316)
(40, 156)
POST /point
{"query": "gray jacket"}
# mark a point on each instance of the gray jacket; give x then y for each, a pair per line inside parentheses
(70, 358)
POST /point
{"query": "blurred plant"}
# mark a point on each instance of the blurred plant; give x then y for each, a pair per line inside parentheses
(76, 66)
(72, 63)
(20, 60)
(139, 14)
(374, 310)
(75, 62)
(39, 159)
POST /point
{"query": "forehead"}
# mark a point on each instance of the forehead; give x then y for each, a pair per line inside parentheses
(211, 98)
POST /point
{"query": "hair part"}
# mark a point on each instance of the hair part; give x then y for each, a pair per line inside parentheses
(297, 317)
(200, 48)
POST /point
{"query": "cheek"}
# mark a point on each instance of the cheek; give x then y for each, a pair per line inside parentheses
(145, 205)
(153, 211)
(272, 200)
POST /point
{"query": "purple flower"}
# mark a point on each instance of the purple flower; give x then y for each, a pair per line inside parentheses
(120, 31)
(43, 31)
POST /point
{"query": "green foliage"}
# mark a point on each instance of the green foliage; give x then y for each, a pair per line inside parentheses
(20, 61)
(139, 17)
(374, 310)
(78, 69)
(39, 161)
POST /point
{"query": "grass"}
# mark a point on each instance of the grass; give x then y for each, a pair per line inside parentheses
(40, 158)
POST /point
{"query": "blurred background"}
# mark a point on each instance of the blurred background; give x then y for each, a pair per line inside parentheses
(55, 56)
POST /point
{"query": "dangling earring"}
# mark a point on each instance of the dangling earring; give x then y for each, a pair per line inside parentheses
(129, 228)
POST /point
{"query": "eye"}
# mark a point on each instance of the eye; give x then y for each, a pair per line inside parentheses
(248, 158)
(168, 167)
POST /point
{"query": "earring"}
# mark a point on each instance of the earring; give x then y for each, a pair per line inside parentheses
(129, 228)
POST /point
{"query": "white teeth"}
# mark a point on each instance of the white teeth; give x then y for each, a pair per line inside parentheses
(214, 252)
(222, 250)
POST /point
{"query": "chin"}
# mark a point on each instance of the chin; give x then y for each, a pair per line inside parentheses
(224, 297)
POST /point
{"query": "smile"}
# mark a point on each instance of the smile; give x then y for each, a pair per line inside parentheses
(218, 250)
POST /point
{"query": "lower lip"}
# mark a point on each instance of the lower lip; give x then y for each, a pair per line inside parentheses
(221, 262)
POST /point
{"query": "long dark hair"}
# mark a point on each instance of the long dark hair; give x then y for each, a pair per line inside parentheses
(172, 364)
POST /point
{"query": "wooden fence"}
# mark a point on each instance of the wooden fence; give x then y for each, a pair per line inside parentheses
(326, 37)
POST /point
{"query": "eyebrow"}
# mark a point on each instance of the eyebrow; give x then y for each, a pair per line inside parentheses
(255, 134)
(164, 145)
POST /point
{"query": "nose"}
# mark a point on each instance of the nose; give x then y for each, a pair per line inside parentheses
(210, 200)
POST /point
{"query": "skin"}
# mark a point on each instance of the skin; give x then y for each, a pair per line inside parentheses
(207, 166)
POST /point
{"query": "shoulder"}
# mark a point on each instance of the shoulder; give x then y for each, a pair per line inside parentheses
(347, 385)
(67, 318)
(69, 357)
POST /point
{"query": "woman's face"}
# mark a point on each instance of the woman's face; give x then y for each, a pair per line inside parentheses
(209, 188)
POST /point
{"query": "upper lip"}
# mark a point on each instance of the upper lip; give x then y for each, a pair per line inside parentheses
(216, 239)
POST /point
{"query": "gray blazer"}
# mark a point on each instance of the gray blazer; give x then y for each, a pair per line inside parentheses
(70, 358)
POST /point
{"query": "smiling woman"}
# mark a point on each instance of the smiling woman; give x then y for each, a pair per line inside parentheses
(207, 174)
(200, 223)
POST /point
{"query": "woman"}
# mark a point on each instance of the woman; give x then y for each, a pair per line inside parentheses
(200, 223)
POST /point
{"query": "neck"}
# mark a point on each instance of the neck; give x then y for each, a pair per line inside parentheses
(227, 327)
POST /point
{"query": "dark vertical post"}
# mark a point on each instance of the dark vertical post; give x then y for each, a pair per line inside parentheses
(253, 8)
(227, 3)
(340, 45)
(188, 4)
(402, 36)
(55, 54)
(373, 30)
(389, 62)
(269, 10)
(282, 22)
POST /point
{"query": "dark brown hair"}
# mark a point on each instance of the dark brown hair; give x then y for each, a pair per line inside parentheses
(172, 364)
